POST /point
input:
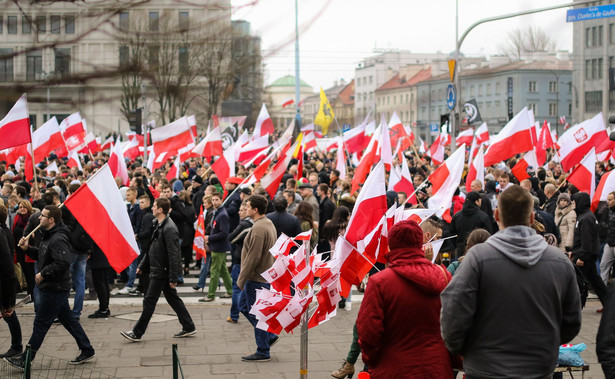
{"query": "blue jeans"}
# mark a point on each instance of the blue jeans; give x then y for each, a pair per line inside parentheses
(13, 322)
(248, 298)
(77, 273)
(52, 305)
(236, 292)
(206, 262)
(132, 273)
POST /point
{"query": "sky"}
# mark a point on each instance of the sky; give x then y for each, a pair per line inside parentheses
(336, 34)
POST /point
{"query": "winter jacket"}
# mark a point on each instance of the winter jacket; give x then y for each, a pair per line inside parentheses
(565, 218)
(610, 236)
(464, 222)
(285, 223)
(8, 279)
(551, 204)
(236, 239)
(510, 305)
(163, 257)
(145, 233)
(97, 260)
(255, 255)
(605, 340)
(135, 214)
(186, 232)
(232, 209)
(585, 243)
(54, 259)
(220, 229)
(399, 320)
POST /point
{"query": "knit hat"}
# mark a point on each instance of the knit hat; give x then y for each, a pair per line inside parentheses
(564, 196)
(472, 196)
(405, 234)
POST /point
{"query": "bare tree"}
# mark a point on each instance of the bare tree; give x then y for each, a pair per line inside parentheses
(521, 42)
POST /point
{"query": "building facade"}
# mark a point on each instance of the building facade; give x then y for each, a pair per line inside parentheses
(278, 92)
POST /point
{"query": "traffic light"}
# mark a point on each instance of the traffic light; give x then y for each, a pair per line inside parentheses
(134, 120)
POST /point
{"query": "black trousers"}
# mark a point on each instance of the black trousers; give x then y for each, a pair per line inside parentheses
(590, 272)
(100, 280)
(149, 306)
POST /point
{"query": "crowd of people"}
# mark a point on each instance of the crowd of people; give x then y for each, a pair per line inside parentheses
(536, 243)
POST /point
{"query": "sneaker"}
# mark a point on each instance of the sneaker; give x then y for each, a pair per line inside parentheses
(207, 299)
(226, 296)
(135, 293)
(273, 341)
(196, 288)
(130, 335)
(83, 357)
(17, 362)
(11, 353)
(255, 357)
(184, 333)
(348, 306)
(100, 314)
(114, 292)
(229, 319)
(124, 291)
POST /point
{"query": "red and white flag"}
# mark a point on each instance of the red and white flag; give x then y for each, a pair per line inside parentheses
(224, 166)
(365, 164)
(211, 145)
(198, 244)
(73, 125)
(386, 153)
(92, 143)
(606, 186)
(173, 172)
(288, 102)
(271, 181)
(52, 167)
(528, 160)
(253, 147)
(445, 180)
(309, 141)
(15, 126)
(436, 151)
(192, 121)
(476, 171)
(584, 175)
(562, 120)
(117, 164)
(341, 158)
(131, 149)
(263, 125)
(422, 146)
(403, 182)
(482, 134)
(465, 137)
(355, 139)
(99, 208)
(514, 138)
(74, 161)
(579, 140)
(398, 133)
(46, 139)
(544, 142)
(108, 144)
(172, 137)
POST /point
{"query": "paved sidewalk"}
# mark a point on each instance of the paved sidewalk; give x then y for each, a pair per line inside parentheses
(217, 348)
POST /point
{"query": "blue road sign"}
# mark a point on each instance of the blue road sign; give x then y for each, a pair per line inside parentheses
(434, 127)
(451, 97)
(345, 127)
(582, 14)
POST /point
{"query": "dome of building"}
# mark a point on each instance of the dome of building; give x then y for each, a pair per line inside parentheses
(287, 81)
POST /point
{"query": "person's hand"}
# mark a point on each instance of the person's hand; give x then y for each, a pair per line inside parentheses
(23, 243)
(172, 285)
(37, 195)
(580, 263)
(428, 249)
(206, 239)
(38, 278)
(139, 271)
(7, 312)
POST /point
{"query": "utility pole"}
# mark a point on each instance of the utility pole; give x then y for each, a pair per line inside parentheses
(144, 123)
(297, 73)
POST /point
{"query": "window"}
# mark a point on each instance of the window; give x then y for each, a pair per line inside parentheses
(371, 79)
(26, 27)
(183, 59)
(41, 24)
(69, 24)
(599, 68)
(62, 62)
(480, 90)
(612, 34)
(154, 52)
(394, 100)
(471, 90)
(594, 36)
(34, 65)
(497, 88)
(184, 21)
(488, 89)
(588, 37)
(124, 21)
(358, 82)
(153, 21)
(124, 56)
(600, 33)
(532, 107)
(532, 86)
(55, 24)
(569, 109)
(553, 109)
(11, 24)
(594, 68)
(588, 69)
(593, 101)
(6, 65)
(552, 87)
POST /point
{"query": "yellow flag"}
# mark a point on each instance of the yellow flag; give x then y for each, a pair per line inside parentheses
(325, 113)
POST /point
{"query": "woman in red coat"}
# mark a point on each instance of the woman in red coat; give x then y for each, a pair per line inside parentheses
(399, 319)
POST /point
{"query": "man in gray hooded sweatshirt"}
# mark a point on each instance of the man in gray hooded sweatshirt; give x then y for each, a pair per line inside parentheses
(512, 301)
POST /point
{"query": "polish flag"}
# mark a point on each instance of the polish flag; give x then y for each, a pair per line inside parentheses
(173, 172)
(108, 144)
(299, 157)
(554, 136)
(436, 151)
(341, 159)
(192, 122)
(99, 208)
(92, 143)
(52, 167)
(73, 125)
(309, 141)
(211, 145)
(605, 187)
(514, 138)
(287, 102)
(422, 146)
(579, 140)
(562, 120)
(172, 137)
(445, 180)
(74, 161)
(465, 137)
(15, 126)
(271, 181)
(398, 133)
(584, 175)
(386, 154)
(364, 166)
(117, 164)
(224, 166)
(476, 170)
(355, 139)
(482, 133)
(264, 125)
(404, 182)
(417, 215)
(544, 142)
(198, 244)
(131, 149)
(46, 139)
(253, 147)
(520, 169)
(370, 207)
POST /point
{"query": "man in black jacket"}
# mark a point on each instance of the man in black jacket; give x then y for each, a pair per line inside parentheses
(233, 202)
(8, 284)
(326, 209)
(284, 222)
(164, 261)
(469, 218)
(54, 283)
(585, 243)
(143, 239)
(605, 340)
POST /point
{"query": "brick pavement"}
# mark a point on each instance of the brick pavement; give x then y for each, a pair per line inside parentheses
(217, 348)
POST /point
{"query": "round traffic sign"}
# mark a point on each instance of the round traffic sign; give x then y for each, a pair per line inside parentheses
(451, 97)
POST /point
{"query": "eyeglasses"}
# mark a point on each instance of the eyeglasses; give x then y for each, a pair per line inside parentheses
(42, 215)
